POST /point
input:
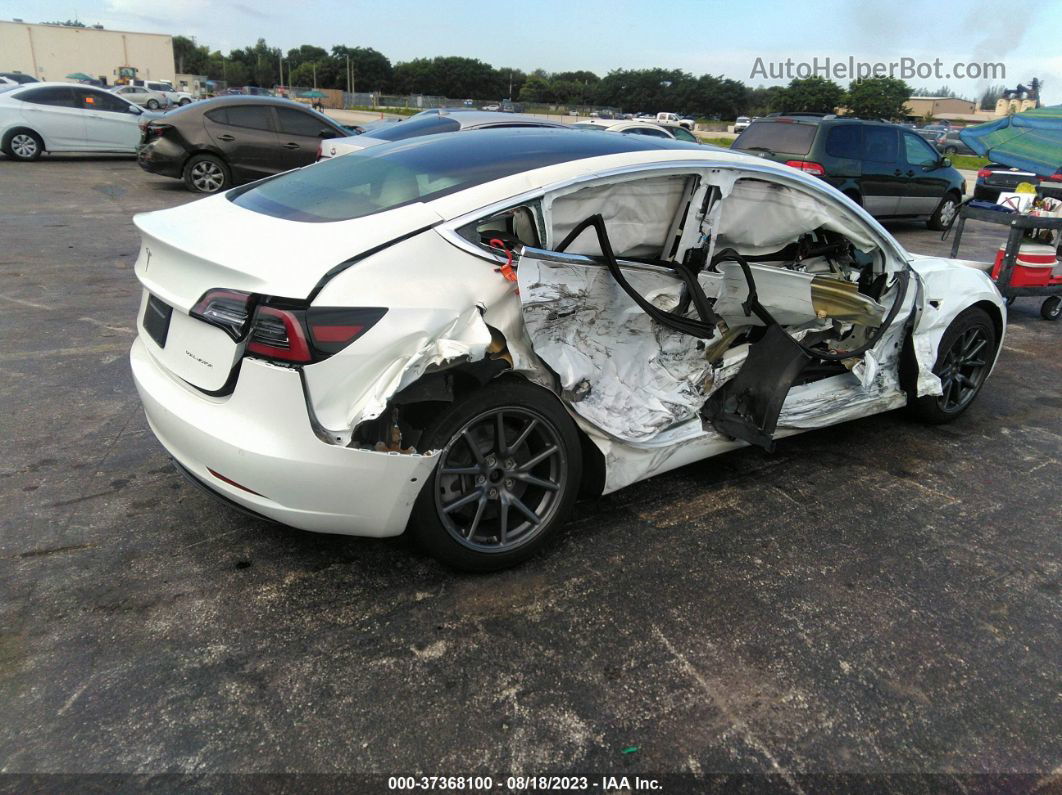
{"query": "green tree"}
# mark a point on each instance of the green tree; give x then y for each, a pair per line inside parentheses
(991, 96)
(372, 70)
(536, 88)
(189, 57)
(810, 95)
(878, 98)
(446, 76)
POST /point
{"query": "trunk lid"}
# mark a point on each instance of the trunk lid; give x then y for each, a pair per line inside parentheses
(212, 244)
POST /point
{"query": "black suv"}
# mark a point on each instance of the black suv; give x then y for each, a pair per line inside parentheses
(889, 169)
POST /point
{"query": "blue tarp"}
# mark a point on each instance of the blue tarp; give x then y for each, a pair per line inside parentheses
(1031, 140)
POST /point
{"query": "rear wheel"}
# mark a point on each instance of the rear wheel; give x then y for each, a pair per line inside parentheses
(1051, 309)
(945, 212)
(153, 104)
(185, 101)
(24, 145)
(206, 174)
(508, 474)
(950, 150)
(965, 357)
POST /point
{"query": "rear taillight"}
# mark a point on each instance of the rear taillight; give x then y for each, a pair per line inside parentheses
(153, 132)
(280, 329)
(984, 173)
(1056, 177)
(278, 334)
(808, 167)
(301, 336)
(331, 330)
(229, 310)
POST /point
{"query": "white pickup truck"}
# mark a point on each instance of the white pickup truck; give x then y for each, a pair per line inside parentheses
(674, 118)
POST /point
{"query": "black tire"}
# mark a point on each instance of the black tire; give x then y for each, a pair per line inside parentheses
(950, 150)
(465, 512)
(152, 104)
(206, 174)
(945, 213)
(185, 101)
(971, 338)
(1051, 308)
(23, 145)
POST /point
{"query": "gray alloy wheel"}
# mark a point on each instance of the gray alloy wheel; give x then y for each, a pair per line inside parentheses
(152, 104)
(185, 101)
(206, 174)
(963, 369)
(25, 146)
(501, 479)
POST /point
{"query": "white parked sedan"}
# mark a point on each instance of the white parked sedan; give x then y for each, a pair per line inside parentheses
(458, 333)
(431, 122)
(61, 117)
(650, 129)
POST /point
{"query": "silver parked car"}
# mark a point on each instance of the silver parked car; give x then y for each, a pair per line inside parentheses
(144, 97)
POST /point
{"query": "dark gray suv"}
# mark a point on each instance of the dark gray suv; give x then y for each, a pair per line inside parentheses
(889, 169)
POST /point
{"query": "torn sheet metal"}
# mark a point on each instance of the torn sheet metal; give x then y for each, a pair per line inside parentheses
(784, 293)
(617, 369)
(465, 339)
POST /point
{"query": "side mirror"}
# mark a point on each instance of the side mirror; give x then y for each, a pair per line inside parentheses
(945, 162)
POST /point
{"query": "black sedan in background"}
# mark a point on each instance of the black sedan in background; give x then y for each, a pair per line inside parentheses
(994, 179)
(218, 143)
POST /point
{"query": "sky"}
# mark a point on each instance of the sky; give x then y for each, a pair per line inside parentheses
(698, 36)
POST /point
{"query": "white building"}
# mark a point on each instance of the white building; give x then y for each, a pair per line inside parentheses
(51, 52)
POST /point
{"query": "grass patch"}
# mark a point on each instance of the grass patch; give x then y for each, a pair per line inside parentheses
(972, 162)
(723, 142)
(380, 109)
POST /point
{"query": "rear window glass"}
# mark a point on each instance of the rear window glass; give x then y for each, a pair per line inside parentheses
(391, 175)
(845, 140)
(425, 125)
(776, 136)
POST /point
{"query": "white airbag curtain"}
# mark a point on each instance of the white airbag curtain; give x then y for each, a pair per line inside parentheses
(638, 215)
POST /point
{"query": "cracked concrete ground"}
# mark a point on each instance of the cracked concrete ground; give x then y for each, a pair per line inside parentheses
(880, 598)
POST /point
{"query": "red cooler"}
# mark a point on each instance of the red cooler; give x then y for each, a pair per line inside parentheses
(1032, 268)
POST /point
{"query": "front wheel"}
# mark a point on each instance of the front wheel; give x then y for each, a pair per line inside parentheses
(1051, 309)
(945, 213)
(152, 104)
(950, 150)
(185, 101)
(964, 359)
(206, 174)
(508, 473)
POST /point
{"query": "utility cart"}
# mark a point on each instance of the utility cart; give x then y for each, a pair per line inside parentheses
(1041, 281)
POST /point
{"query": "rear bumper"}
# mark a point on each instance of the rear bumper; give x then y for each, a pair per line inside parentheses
(151, 159)
(260, 437)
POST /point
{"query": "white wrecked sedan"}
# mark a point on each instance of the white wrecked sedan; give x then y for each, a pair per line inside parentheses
(459, 333)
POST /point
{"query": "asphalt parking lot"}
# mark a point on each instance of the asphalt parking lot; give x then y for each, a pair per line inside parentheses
(879, 599)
